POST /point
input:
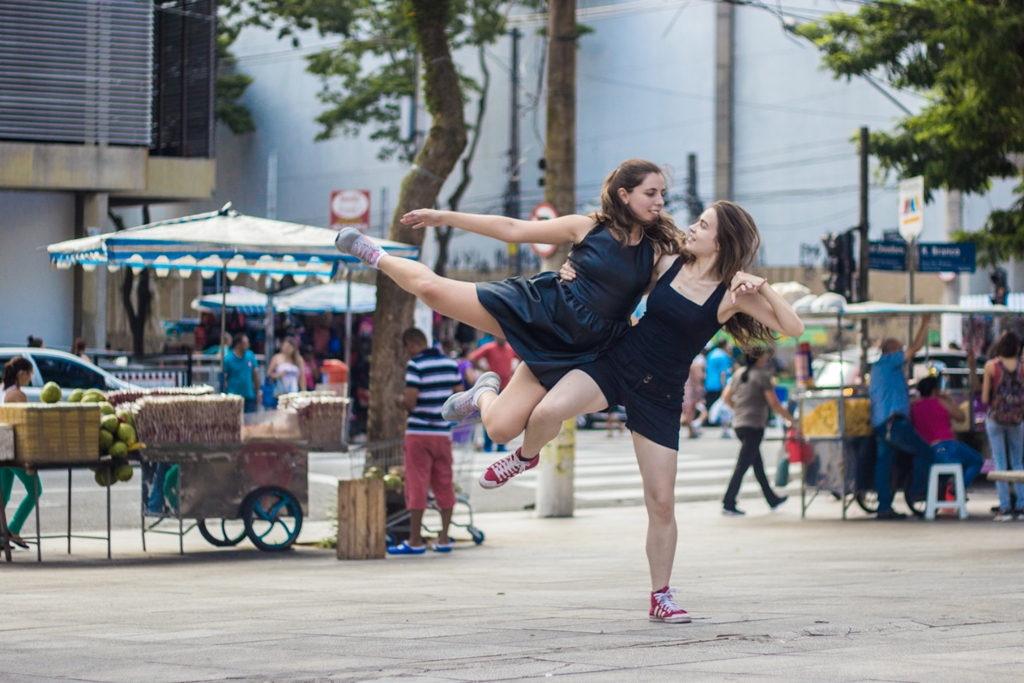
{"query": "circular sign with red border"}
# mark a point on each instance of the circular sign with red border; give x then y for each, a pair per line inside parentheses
(543, 212)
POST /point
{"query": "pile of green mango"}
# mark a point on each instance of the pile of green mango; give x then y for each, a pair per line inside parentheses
(117, 437)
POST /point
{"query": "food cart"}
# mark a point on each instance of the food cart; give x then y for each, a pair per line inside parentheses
(837, 441)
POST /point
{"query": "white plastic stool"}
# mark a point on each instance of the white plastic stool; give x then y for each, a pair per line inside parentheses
(960, 504)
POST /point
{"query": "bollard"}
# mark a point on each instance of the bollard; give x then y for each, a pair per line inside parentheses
(361, 520)
(555, 474)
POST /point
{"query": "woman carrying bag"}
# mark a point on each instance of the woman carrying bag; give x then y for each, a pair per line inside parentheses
(1002, 390)
(751, 395)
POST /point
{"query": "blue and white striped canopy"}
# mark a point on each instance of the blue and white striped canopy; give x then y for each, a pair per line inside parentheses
(219, 240)
(329, 298)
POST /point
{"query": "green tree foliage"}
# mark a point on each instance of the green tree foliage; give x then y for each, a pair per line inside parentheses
(229, 86)
(371, 73)
(966, 57)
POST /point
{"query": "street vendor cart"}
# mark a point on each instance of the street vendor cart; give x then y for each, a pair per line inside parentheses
(837, 441)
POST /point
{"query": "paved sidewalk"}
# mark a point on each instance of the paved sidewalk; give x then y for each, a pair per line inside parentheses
(774, 598)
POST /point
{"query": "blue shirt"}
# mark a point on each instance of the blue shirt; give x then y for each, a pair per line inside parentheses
(238, 374)
(718, 362)
(888, 389)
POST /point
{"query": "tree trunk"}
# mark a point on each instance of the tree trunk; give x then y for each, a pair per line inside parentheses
(137, 315)
(441, 150)
(557, 462)
(560, 148)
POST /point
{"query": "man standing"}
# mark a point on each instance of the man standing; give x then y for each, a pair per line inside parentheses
(890, 418)
(430, 378)
(498, 357)
(241, 376)
(719, 368)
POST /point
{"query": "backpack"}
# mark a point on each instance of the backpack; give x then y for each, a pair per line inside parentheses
(1007, 402)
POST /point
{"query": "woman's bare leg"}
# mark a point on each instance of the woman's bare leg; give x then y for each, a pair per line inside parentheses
(505, 415)
(575, 394)
(658, 469)
(452, 298)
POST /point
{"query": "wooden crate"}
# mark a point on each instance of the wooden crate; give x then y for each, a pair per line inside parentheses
(55, 433)
(361, 520)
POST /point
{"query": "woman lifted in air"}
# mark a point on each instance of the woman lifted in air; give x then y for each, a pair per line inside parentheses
(646, 370)
(552, 325)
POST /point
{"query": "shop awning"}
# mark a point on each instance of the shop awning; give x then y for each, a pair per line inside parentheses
(329, 298)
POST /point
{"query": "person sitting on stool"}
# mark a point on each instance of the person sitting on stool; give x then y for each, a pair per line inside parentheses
(931, 416)
(890, 412)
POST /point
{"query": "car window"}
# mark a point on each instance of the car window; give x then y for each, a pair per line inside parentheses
(69, 374)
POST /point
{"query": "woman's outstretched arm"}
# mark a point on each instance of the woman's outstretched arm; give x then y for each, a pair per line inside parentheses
(512, 230)
(752, 295)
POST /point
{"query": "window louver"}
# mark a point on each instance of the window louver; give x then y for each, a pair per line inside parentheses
(78, 72)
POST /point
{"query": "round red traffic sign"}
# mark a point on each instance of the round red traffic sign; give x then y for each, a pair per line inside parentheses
(543, 212)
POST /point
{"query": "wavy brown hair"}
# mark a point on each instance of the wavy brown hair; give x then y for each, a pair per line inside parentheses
(738, 241)
(619, 220)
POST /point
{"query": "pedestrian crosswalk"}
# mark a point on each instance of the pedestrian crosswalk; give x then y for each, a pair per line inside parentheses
(606, 471)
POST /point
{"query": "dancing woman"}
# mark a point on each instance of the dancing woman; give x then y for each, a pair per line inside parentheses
(647, 368)
(552, 325)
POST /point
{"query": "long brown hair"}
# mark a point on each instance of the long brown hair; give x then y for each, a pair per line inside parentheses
(618, 219)
(13, 367)
(738, 242)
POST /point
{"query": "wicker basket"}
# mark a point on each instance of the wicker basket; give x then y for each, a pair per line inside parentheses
(56, 433)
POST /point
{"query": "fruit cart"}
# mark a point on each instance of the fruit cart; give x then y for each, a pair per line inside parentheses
(256, 490)
(839, 447)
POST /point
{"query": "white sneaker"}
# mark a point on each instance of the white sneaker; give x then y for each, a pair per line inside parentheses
(1003, 517)
(463, 405)
(351, 241)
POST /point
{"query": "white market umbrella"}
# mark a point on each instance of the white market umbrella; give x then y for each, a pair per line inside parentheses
(329, 298)
(241, 299)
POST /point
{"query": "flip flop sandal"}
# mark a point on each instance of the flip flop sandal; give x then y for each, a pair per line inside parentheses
(438, 548)
(404, 548)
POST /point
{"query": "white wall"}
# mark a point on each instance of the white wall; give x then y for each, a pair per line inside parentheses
(34, 298)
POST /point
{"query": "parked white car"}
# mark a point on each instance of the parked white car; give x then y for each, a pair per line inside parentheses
(67, 370)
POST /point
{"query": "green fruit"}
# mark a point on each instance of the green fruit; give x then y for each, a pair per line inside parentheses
(106, 441)
(93, 396)
(105, 477)
(126, 433)
(76, 396)
(106, 408)
(124, 472)
(125, 415)
(110, 423)
(119, 449)
(372, 473)
(392, 482)
(51, 393)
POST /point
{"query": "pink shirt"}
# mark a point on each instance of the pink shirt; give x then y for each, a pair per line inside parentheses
(931, 420)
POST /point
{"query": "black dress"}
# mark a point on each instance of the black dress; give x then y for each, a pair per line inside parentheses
(555, 326)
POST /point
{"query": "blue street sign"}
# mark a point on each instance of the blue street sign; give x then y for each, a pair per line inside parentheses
(955, 257)
(887, 255)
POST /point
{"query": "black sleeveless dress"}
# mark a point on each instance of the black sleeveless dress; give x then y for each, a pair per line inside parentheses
(647, 368)
(555, 326)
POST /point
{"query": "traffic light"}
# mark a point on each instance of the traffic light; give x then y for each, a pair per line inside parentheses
(543, 166)
(839, 263)
(1000, 289)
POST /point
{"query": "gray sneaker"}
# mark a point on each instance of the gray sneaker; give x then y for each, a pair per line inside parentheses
(462, 406)
(351, 241)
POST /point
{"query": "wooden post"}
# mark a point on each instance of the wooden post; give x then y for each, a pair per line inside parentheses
(361, 513)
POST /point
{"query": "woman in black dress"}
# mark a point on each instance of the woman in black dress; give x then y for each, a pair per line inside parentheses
(647, 368)
(552, 325)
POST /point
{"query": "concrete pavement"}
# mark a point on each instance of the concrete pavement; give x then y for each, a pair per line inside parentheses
(774, 598)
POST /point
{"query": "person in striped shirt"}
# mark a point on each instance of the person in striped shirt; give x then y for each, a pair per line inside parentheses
(430, 378)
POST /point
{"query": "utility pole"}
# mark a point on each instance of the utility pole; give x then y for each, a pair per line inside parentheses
(512, 208)
(865, 249)
(557, 460)
(724, 67)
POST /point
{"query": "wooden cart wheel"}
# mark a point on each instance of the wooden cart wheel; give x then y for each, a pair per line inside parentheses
(222, 533)
(273, 518)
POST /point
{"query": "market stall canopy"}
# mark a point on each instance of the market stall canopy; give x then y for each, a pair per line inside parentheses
(242, 299)
(869, 309)
(219, 240)
(329, 298)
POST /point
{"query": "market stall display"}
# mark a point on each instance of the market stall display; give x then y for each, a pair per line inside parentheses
(204, 419)
(322, 416)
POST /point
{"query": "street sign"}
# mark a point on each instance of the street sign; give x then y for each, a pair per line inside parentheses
(950, 257)
(543, 212)
(350, 209)
(887, 256)
(911, 208)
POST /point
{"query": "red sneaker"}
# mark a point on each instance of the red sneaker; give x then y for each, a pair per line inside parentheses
(664, 609)
(500, 472)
